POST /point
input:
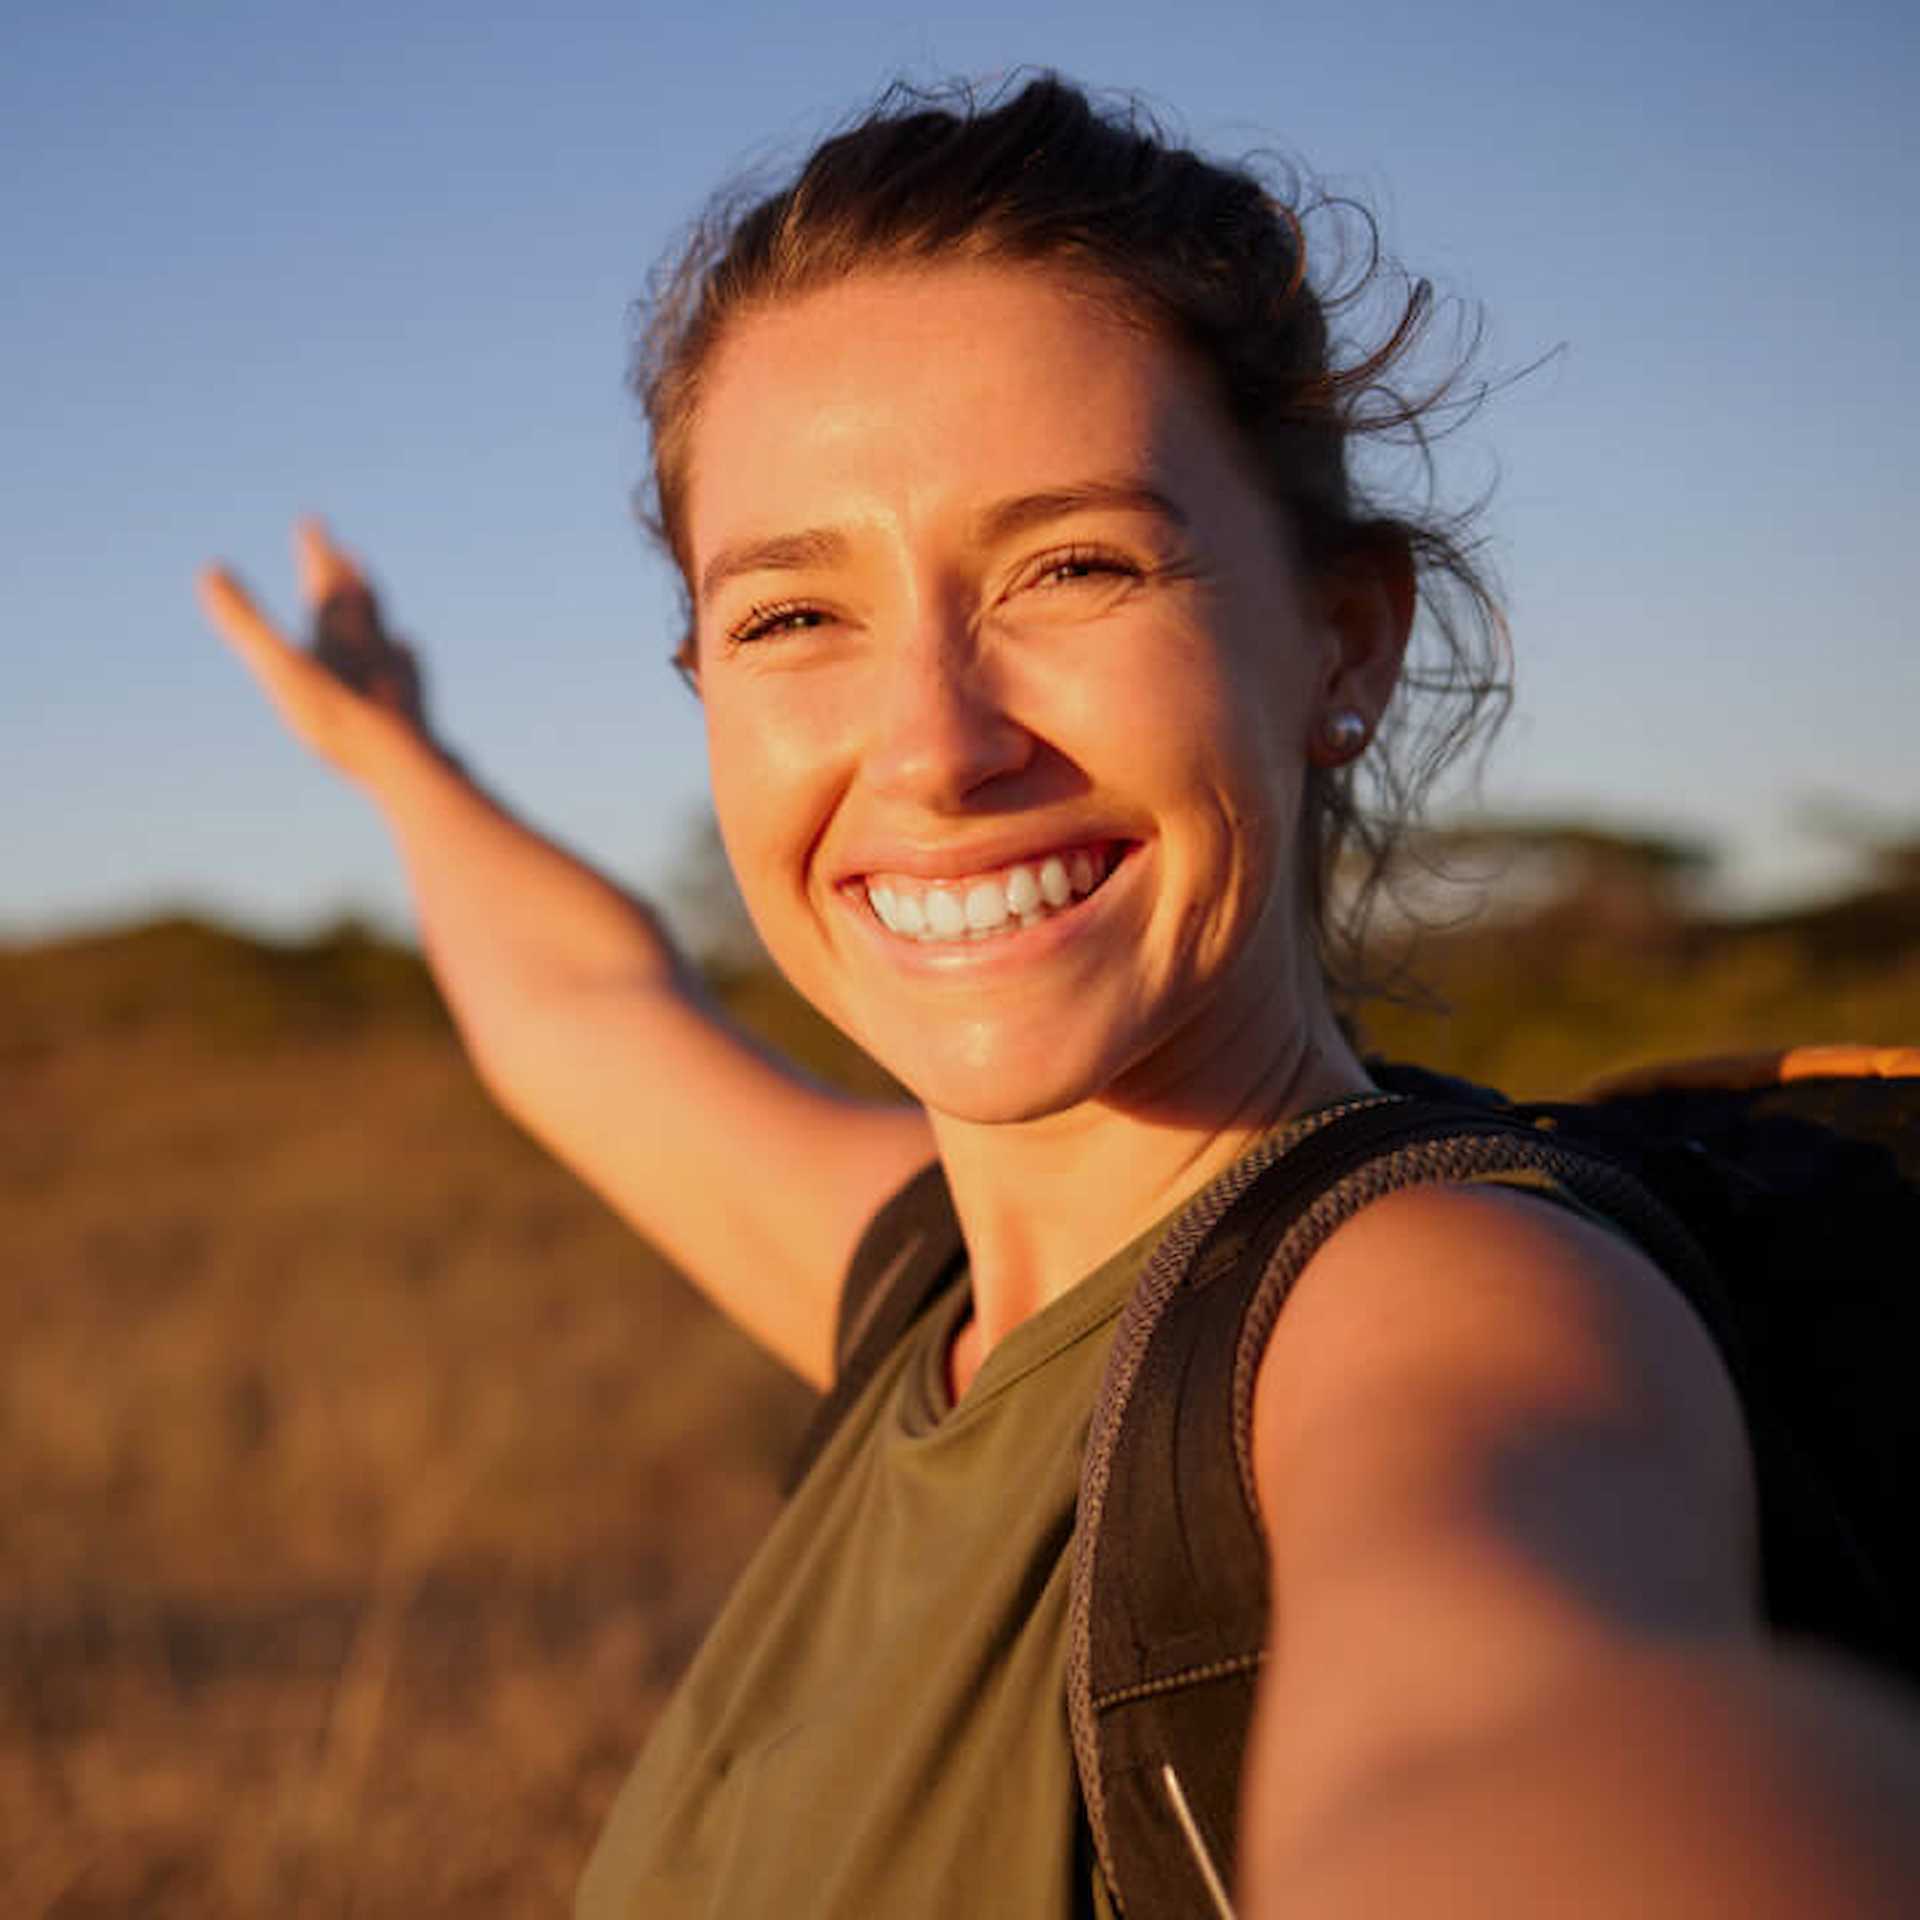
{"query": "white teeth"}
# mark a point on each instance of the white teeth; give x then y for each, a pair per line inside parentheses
(946, 918)
(1023, 895)
(986, 906)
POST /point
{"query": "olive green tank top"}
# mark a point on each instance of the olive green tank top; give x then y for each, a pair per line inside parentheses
(877, 1722)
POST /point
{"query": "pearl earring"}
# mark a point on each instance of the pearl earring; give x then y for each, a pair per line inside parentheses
(1340, 737)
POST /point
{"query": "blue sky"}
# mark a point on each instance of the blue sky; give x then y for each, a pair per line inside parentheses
(377, 261)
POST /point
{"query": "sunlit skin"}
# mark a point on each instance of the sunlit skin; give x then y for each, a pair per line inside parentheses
(981, 575)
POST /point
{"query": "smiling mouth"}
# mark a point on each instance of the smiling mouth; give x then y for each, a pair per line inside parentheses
(986, 906)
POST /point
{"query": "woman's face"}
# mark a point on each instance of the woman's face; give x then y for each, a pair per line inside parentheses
(1008, 674)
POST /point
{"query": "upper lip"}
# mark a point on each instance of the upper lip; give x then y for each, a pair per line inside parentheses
(950, 862)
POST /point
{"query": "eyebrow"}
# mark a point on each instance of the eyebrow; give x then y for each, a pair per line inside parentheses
(825, 546)
(783, 553)
(1029, 510)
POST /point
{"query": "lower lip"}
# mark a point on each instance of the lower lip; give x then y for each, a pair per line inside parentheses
(1000, 949)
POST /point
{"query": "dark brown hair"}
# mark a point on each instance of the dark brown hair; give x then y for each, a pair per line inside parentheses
(1216, 259)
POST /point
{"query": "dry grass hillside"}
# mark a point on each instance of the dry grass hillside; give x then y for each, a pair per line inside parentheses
(352, 1530)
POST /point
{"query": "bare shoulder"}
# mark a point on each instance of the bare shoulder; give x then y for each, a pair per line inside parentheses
(1477, 1377)
(1514, 1638)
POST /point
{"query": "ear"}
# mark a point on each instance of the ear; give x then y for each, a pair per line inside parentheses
(1365, 598)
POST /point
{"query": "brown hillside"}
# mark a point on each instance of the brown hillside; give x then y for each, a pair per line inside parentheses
(351, 1537)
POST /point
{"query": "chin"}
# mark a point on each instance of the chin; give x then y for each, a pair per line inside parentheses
(988, 1078)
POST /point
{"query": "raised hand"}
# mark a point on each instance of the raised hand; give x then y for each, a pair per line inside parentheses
(356, 692)
(582, 1020)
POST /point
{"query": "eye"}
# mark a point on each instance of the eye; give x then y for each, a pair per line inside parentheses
(1078, 566)
(772, 618)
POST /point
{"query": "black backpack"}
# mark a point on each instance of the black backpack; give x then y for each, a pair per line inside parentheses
(1788, 1214)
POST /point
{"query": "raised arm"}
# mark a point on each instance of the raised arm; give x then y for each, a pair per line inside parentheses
(1515, 1664)
(580, 1017)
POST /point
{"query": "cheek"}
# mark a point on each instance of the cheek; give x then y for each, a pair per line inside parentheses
(771, 796)
(748, 823)
(1219, 739)
(1244, 769)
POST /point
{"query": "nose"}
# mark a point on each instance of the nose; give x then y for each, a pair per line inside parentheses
(941, 729)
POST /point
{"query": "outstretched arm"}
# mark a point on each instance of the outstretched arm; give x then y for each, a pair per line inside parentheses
(578, 1013)
(1515, 1667)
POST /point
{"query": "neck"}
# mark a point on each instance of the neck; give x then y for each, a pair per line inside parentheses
(1043, 1202)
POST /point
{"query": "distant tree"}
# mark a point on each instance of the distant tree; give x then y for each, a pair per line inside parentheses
(1620, 882)
(1885, 846)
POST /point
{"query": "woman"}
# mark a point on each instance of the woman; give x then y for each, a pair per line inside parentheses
(1038, 628)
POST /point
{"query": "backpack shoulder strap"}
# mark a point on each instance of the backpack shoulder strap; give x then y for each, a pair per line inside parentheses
(1169, 1598)
(906, 1256)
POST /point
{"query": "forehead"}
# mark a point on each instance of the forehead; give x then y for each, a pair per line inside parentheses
(913, 392)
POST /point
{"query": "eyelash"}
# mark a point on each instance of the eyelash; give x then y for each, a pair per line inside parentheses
(1096, 562)
(770, 617)
(758, 622)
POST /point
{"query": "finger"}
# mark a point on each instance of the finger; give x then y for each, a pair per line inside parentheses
(238, 621)
(267, 653)
(348, 638)
(324, 568)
